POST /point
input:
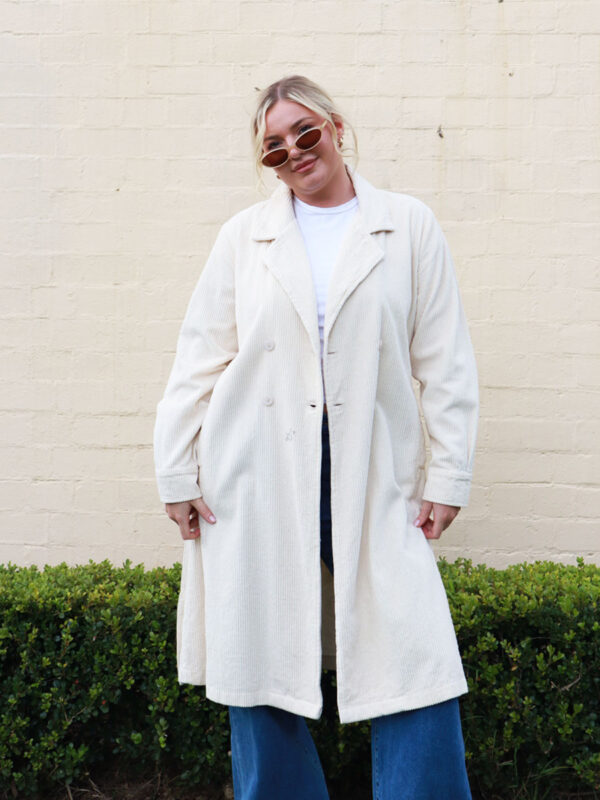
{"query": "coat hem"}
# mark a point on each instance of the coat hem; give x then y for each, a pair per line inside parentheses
(286, 702)
(347, 713)
(374, 708)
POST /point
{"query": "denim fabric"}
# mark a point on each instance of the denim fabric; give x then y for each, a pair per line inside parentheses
(419, 754)
(415, 755)
(273, 756)
(326, 548)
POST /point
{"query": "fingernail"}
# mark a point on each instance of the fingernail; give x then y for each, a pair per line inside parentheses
(212, 518)
(417, 522)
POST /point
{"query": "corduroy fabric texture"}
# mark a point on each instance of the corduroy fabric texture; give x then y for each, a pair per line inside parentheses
(240, 421)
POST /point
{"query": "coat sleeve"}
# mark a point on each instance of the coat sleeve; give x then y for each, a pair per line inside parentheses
(443, 362)
(207, 343)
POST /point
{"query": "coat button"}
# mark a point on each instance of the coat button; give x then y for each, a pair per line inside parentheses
(379, 343)
(269, 344)
(268, 401)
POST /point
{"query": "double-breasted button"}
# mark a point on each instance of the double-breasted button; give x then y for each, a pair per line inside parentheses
(269, 344)
(268, 401)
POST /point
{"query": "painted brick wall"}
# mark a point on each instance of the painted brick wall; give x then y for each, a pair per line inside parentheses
(124, 145)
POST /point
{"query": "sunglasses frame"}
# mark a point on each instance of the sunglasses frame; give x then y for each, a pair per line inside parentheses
(295, 144)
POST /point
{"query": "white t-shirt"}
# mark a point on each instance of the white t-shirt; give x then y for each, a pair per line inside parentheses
(323, 230)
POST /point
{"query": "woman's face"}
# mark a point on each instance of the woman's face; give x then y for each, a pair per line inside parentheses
(309, 173)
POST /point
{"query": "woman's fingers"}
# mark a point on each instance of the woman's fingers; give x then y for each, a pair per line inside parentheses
(203, 509)
(442, 517)
(181, 513)
(193, 521)
(186, 516)
(426, 507)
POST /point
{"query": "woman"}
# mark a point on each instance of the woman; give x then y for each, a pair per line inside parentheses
(289, 437)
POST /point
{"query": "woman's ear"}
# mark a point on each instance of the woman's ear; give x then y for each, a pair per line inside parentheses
(339, 126)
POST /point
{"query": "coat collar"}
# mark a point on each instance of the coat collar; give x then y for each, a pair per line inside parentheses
(286, 255)
(278, 211)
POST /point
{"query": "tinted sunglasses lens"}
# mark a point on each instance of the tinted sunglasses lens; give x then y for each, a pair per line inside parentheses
(309, 139)
(275, 158)
(305, 141)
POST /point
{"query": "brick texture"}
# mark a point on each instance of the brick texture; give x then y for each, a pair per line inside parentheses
(124, 146)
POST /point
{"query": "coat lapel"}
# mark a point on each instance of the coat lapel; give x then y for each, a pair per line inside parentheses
(359, 253)
(287, 259)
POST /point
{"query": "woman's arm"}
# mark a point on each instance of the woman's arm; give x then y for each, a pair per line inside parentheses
(207, 343)
(443, 362)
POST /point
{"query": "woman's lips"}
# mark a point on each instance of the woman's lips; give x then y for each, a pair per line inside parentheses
(305, 165)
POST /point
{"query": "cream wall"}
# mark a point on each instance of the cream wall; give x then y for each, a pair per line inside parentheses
(125, 145)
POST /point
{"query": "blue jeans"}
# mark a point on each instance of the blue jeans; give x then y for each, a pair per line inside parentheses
(415, 755)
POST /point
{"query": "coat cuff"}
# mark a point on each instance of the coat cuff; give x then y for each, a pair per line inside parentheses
(178, 488)
(449, 488)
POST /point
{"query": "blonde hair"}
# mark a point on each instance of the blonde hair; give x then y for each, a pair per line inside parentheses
(300, 90)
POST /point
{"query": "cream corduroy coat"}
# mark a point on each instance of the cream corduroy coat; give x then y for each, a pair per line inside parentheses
(240, 423)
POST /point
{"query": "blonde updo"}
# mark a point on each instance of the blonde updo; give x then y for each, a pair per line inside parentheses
(300, 90)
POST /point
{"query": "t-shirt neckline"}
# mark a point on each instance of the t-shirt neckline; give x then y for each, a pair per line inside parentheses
(310, 209)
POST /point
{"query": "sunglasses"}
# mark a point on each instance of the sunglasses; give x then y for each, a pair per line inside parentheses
(306, 141)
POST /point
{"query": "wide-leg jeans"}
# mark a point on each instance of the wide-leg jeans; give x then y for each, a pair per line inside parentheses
(415, 755)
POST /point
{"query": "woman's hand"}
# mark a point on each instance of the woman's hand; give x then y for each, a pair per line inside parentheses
(186, 516)
(442, 518)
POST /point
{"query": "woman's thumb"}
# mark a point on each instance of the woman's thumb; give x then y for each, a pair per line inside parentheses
(203, 509)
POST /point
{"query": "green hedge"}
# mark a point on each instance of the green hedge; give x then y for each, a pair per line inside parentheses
(530, 640)
(88, 678)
